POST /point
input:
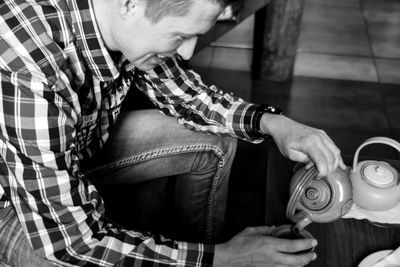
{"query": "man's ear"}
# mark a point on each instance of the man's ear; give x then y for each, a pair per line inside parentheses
(127, 7)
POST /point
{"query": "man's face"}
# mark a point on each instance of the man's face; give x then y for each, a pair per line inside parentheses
(146, 44)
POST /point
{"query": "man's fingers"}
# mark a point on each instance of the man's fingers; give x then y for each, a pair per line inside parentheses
(316, 158)
(324, 153)
(301, 259)
(342, 165)
(260, 230)
(309, 164)
(334, 149)
(295, 245)
(320, 158)
(290, 259)
(296, 252)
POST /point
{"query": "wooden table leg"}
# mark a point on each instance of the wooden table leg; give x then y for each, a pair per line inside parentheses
(258, 41)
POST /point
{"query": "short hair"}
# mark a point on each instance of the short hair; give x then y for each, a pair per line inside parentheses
(157, 9)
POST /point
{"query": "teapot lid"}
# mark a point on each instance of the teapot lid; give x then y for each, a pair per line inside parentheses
(379, 174)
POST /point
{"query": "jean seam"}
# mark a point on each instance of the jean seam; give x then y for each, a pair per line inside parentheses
(210, 202)
(153, 154)
(174, 150)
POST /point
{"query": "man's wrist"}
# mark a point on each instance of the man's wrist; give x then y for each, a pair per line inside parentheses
(259, 130)
(219, 256)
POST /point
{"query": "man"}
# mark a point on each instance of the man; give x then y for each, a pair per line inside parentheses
(66, 67)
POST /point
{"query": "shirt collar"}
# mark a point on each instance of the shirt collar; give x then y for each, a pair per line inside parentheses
(90, 40)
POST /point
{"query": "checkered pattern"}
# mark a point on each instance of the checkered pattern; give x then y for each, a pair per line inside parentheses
(60, 94)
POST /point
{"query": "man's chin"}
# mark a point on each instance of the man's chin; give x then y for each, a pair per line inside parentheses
(147, 65)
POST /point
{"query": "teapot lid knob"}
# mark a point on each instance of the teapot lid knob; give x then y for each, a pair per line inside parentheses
(378, 174)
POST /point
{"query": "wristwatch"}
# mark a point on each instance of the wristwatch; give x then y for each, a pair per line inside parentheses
(261, 109)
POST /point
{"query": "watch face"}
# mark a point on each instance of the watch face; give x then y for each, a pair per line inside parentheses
(273, 110)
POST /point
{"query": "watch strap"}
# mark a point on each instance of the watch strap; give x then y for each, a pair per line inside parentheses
(256, 120)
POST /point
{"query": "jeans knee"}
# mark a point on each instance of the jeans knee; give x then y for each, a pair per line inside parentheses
(220, 153)
(229, 148)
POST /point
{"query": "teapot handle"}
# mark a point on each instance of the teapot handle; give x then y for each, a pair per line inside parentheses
(373, 140)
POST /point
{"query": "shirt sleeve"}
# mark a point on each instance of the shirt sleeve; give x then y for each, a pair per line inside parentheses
(60, 212)
(181, 93)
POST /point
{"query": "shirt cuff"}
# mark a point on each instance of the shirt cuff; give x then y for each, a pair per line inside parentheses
(241, 121)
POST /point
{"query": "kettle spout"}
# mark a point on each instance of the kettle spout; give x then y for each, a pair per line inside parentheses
(302, 223)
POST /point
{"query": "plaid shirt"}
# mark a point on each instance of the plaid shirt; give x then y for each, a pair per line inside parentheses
(60, 94)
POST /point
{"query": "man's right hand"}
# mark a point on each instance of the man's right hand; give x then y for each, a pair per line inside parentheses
(303, 143)
(255, 246)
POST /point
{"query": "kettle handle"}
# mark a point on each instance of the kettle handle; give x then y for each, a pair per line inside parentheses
(373, 140)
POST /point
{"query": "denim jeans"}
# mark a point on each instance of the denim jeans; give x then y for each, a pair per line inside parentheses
(15, 250)
(147, 147)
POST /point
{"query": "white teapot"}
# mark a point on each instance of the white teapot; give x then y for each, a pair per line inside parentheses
(375, 183)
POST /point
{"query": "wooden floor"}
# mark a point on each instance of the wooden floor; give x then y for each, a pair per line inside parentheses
(350, 39)
(348, 111)
(344, 39)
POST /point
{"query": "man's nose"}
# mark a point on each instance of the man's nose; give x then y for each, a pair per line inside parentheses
(186, 49)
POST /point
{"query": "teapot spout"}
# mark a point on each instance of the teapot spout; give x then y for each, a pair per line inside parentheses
(300, 225)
